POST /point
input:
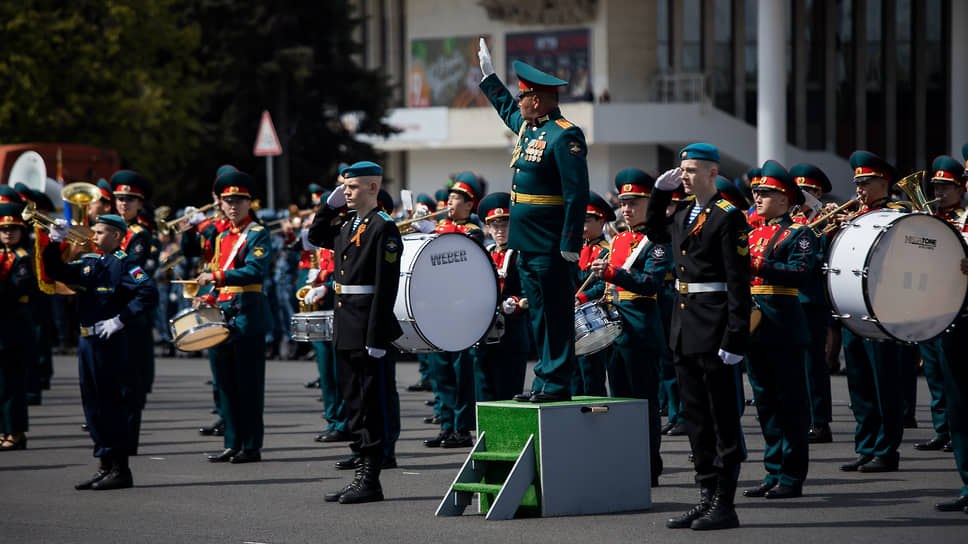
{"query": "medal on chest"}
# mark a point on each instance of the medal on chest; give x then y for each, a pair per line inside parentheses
(535, 149)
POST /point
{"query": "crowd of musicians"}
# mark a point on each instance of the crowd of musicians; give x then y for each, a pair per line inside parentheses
(709, 278)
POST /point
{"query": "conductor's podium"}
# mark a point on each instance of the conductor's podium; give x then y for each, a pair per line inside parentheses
(586, 456)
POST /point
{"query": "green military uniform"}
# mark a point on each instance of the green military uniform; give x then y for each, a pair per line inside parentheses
(549, 195)
(782, 254)
(17, 348)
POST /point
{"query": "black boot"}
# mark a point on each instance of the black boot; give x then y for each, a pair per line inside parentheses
(367, 487)
(334, 496)
(721, 514)
(118, 478)
(684, 521)
(103, 469)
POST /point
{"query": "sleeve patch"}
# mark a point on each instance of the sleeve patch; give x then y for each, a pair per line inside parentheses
(138, 275)
(658, 253)
(575, 148)
(258, 251)
(392, 245)
(804, 243)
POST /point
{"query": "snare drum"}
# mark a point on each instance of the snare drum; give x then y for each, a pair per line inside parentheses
(312, 326)
(195, 329)
(896, 276)
(447, 297)
(597, 325)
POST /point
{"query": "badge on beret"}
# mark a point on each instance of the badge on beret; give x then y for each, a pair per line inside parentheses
(258, 251)
(138, 275)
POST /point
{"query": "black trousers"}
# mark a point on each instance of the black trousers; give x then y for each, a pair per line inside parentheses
(711, 407)
(366, 387)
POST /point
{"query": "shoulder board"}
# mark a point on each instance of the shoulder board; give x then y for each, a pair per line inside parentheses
(385, 216)
(472, 226)
(257, 228)
(120, 254)
(896, 206)
(795, 226)
(21, 252)
(725, 205)
(563, 123)
(89, 256)
(135, 227)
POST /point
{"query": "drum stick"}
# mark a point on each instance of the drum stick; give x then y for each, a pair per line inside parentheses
(183, 281)
(588, 280)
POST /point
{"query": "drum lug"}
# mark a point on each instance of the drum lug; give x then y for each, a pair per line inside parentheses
(860, 272)
(869, 319)
(827, 268)
(840, 316)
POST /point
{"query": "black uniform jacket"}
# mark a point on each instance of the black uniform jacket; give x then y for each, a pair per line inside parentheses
(713, 248)
(368, 255)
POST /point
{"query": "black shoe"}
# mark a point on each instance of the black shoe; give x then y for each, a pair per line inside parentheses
(429, 402)
(34, 401)
(678, 429)
(366, 487)
(667, 427)
(217, 427)
(420, 386)
(436, 442)
(953, 506)
(246, 456)
(879, 464)
(692, 457)
(784, 492)
(84, 427)
(457, 440)
(334, 496)
(312, 385)
(350, 463)
(223, 457)
(541, 396)
(819, 434)
(699, 510)
(118, 478)
(15, 444)
(750, 402)
(857, 463)
(524, 397)
(910, 423)
(721, 515)
(935, 444)
(759, 490)
(948, 447)
(337, 436)
(664, 411)
(102, 471)
(432, 420)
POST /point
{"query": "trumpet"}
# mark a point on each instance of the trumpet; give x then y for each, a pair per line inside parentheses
(166, 228)
(79, 196)
(79, 235)
(412, 220)
(276, 225)
(816, 222)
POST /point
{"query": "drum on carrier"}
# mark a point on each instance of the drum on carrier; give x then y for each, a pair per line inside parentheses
(896, 276)
(597, 325)
(195, 329)
(312, 326)
(448, 293)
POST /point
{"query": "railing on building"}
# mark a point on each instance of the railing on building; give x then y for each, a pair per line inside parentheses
(690, 88)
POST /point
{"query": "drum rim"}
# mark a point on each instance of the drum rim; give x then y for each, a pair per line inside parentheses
(181, 336)
(187, 311)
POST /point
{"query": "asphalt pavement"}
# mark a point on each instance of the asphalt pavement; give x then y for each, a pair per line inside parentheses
(180, 497)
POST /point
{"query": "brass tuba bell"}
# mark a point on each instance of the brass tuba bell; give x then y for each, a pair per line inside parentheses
(79, 197)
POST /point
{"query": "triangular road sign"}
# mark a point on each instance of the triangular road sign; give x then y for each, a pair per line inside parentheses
(266, 141)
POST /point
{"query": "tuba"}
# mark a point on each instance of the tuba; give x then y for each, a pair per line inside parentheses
(911, 185)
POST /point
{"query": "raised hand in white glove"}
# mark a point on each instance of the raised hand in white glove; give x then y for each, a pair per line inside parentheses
(569, 256)
(376, 353)
(420, 209)
(58, 231)
(510, 305)
(729, 358)
(315, 294)
(669, 180)
(194, 216)
(425, 226)
(108, 327)
(312, 275)
(337, 199)
(487, 68)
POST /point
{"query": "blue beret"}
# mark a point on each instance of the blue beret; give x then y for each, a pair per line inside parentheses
(776, 178)
(441, 195)
(224, 169)
(867, 165)
(362, 168)
(495, 206)
(731, 193)
(425, 199)
(946, 169)
(706, 152)
(129, 183)
(385, 201)
(808, 175)
(633, 183)
(467, 184)
(9, 195)
(234, 183)
(113, 220)
(598, 206)
(530, 74)
(342, 168)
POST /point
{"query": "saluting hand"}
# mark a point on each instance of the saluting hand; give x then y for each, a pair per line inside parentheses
(487, 68)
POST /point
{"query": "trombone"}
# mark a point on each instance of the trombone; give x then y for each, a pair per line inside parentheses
(833, 225)
(79, 235)
(166, 228)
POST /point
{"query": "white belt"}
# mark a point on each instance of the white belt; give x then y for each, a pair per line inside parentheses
(354, 289)
(705, 287)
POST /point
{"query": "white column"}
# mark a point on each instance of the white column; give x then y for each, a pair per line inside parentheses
(771, 125)
(959, 77)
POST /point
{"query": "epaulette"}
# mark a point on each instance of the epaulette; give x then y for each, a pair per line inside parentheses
(88, 256)
(795, 226)
(21, 252)
(896, 206)
(257, 228)
(725, 205)
(135, 227)
(120, 254)
(563, 123)
(385, 216)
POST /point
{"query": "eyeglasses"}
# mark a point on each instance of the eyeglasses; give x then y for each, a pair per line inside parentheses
(523, 95)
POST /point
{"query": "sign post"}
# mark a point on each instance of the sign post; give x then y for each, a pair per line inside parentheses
(267, 145)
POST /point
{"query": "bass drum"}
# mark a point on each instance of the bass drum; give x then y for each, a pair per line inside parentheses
(448, 292)
(897, 276)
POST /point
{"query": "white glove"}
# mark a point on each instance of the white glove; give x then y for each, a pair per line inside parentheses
(425, 226)
(312, 275)
(304, 237)
(569, 256)
(337, 199)
(509, 306)
(108, 327)
(315, 294)
(669, 180)
(420, 209)
(811, 202)
(58, 231)
(194, 216)
(485, 56)
(376, 353)
(729, 358)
